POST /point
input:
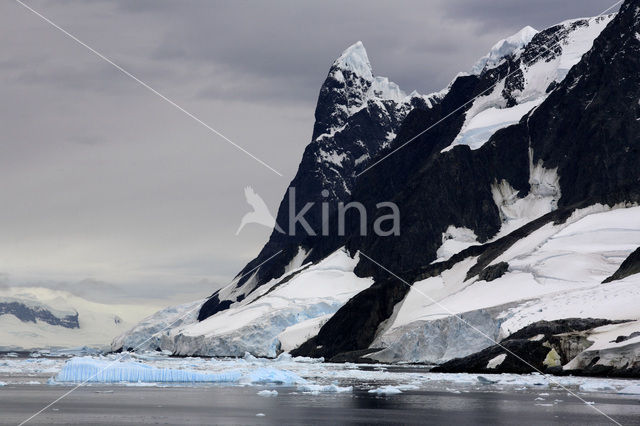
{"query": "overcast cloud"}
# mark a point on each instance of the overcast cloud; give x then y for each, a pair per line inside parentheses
(106, 189)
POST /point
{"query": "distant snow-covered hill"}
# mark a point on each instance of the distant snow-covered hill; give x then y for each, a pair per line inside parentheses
(41, 318)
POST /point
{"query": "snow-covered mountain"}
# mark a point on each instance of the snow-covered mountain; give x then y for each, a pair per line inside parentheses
(41, 318)
(357, 115)
(517, 203)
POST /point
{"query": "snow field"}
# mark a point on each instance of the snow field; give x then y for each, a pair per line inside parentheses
(554, 273)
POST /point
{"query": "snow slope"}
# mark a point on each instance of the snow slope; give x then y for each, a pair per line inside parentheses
(525, 87)
(145, 334)
(98, 323)
(285, 314)
(554, 273)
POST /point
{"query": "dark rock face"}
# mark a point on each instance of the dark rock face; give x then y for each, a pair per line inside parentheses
(550, 328)
(597, 370)
(493, 272)
(531, 352)
(594, 150)
(531, 344)
(630, 266)
(587, 130)
(588, 126)
(213, 305)
(621, 339)
(31, 313)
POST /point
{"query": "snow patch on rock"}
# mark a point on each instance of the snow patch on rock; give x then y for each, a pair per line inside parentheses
(355, 59)
(454, 240)
(504, 48)
(382, 88)
(542, 198)
(496, 361)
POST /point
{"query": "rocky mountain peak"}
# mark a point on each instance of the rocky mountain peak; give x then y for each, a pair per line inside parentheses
(354, 59)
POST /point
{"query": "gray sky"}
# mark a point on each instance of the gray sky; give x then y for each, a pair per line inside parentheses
(111, 192)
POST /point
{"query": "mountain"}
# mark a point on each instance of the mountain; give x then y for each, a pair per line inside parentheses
(40, 318)
(518, 187)
(357, 115)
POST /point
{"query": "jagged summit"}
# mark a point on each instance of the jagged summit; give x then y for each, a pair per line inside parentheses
(355, 59)
(504, 48)
(382, 88)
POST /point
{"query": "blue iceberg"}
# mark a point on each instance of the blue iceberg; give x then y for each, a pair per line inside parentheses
(91, 370)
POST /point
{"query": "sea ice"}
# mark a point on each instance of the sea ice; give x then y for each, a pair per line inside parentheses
(317, 389)
(631, 390)
(386, 390)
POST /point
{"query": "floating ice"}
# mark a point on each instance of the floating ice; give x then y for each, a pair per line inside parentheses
(631, 390)
(272, 375)
(317, 389)
(92, 370)
(87, 369)
(267, 392)
(386, 390)
(595, 386)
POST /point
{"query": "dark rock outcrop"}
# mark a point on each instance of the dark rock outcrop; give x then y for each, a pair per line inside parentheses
(526, 350)
(27, 312)
(630, 266)
(493, 272)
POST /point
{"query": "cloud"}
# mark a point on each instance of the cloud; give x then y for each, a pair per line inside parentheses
(4, 280)
(539, 14)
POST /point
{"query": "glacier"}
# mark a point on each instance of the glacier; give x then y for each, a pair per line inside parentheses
(280, 314)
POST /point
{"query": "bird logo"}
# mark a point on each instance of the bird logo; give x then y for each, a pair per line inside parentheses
(260, 214)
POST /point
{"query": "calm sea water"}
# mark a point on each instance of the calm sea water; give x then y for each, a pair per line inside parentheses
(128, 405)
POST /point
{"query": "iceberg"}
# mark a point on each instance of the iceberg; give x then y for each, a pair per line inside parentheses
(318, 389)
(272, 375)
(386, 390)
(91, 370)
